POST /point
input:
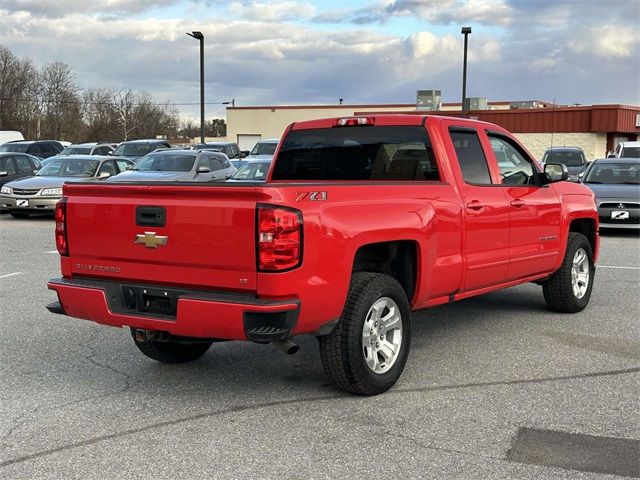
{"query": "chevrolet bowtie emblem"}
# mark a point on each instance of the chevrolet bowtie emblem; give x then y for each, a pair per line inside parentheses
(150, 240)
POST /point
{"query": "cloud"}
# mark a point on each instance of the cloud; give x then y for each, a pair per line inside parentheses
(607, 41)
(275, 53)
(56, 8)
(271, 11)
(445, 12)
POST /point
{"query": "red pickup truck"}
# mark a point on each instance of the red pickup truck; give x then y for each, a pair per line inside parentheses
(361, 221)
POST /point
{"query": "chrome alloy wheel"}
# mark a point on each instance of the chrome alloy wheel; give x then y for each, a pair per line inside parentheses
(580, 272)
(382, 335)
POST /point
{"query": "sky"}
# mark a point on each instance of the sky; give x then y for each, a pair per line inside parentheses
(292, 52)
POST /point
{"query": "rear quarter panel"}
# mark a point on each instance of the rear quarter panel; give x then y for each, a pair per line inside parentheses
(357, 214)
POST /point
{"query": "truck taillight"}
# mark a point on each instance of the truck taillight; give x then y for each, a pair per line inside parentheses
(61, 224)
(279, 238)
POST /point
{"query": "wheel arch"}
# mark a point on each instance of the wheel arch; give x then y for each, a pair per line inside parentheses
(397, 258)
(587, 227)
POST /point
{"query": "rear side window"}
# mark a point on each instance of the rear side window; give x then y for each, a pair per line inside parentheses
(471, 158)
(357, 153)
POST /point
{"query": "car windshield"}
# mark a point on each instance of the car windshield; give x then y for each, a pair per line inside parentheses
(252, 171)
(631, 152)
(166, 163)
(75, 151)
(614, 173)
(69, 168)
(264, 148)
(14, 147)
(134, 149)
(570, 159)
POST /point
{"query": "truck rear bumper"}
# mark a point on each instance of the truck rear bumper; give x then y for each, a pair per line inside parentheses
(195, 313)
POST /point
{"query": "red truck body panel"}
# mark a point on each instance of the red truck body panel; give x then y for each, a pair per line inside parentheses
(518, 234)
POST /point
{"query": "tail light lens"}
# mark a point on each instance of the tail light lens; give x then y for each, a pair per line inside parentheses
(61, 224)
(279, 238)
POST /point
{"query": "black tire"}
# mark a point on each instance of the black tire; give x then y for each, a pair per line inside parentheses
(171, 352)
(342, 352)
(558, 290)
(19, 214)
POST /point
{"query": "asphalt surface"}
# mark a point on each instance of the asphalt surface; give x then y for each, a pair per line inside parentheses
(78, 400)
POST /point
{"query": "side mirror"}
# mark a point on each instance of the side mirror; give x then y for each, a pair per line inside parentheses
(581, 176)
(228, 176)
(4, 174)
(611, 155)
(203, 170)
(244, 153)
(109, 152)
(104, 175)
(556, 172)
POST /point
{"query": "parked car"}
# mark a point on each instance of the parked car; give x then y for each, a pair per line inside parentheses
(238, 163)
(361, 221)
(264, 149)
(17, 165)
(90, 148)
(10, 136)
(255, 171)
(626, 150)
(41, 192)
(179, 166)
(616, 183)
(37, 148)
(572, 157)
(134, 150)
(230, 149)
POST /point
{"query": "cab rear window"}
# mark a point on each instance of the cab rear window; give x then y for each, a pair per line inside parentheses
(357, 153)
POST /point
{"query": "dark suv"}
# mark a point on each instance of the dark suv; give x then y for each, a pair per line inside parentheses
(230, 149)
(37, 148)
(134, 150)
(572, 157)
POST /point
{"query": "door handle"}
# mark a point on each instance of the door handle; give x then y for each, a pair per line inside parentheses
(517, 203)
(475, 205)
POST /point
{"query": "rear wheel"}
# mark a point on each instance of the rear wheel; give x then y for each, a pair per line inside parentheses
(171, 351)
(367, 351)
(19, 214)
(569, 288)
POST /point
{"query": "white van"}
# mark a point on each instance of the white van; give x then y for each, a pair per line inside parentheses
(9, 136)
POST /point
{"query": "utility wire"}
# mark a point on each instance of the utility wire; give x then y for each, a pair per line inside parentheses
(67, 102)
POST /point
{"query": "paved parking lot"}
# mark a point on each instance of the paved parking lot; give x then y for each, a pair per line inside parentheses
(78, 400)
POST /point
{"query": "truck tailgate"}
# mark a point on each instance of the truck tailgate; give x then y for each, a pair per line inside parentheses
(116, 231)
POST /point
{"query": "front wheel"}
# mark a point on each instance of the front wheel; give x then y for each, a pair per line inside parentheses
(569, 288)
(171, 351)
(367, 351)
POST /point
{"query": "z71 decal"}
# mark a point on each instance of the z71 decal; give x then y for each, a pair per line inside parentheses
(311, 196)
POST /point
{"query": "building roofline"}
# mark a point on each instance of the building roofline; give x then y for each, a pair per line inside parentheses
(361, 105)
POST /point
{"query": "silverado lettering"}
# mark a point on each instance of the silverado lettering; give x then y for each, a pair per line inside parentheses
(424, 210)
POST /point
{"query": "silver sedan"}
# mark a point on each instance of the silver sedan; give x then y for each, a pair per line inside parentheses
(41, 192)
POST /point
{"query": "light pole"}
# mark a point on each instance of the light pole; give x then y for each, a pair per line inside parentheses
(465, 31)
(199, 36)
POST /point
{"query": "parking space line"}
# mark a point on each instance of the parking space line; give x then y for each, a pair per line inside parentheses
(52, 251)
(621, 268)
(10, 274)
